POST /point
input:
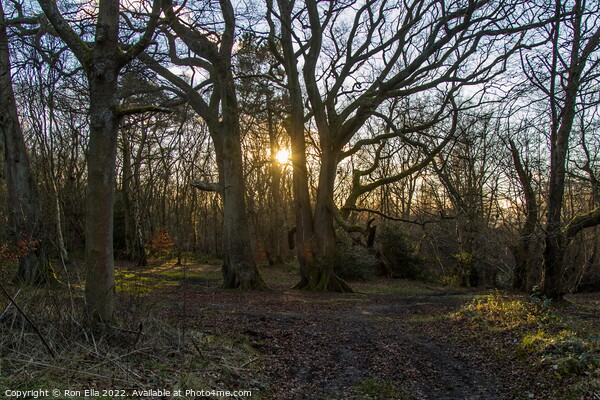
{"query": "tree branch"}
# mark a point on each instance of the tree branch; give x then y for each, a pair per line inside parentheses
(368, 210)
(141, 109)
(581, 222)
(144, 41)
(80, 48)
(207, 186)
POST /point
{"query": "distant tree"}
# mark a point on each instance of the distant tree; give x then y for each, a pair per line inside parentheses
(263, 106)
(130, 189)
(522, 250)
(469, 172)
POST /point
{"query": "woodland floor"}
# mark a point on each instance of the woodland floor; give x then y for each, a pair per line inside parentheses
(392, 339)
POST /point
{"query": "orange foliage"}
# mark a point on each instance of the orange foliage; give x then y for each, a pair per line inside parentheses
(161, 242)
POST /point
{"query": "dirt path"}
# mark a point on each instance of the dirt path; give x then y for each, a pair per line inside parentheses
(351, 346)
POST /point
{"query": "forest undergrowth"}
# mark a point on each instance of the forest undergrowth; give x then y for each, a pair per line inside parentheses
(393, 339)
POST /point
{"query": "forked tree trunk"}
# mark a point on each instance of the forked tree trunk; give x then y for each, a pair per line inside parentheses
(318, 274)
(314, 234)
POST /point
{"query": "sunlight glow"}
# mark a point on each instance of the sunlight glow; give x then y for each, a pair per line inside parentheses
(283, 156)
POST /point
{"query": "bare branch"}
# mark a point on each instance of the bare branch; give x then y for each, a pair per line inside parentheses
(144, 41)
(581, 222)
(207, 186)
(80, 48)
(141, 109)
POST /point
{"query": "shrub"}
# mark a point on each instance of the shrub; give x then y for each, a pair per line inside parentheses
(353, 261)
(503, 312)
(397, 249)
(161, 243)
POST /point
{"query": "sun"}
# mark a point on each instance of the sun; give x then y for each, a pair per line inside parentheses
(283, 156)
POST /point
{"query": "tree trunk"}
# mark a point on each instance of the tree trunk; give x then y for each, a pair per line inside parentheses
(25, 221)
(554, 254)
(522, 250)
(135, 247)
(239, 268)
(102, 62)
(317, 272)
(99, 288)
(102, 154)
(60, 239)
(562, 125)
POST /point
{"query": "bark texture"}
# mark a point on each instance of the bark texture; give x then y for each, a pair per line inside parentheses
(25, 220)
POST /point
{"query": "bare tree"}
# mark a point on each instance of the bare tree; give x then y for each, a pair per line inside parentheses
(102, 61)
(351, 60)
(212, 52)
(562, 74)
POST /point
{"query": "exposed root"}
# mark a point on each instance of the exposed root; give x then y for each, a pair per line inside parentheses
(327, 283)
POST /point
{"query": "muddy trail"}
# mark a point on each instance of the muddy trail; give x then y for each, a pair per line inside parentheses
(387, 341)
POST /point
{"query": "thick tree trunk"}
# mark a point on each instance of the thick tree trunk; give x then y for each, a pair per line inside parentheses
(554, 255)
(239, 267)
(25, 219)
(554, 239)
(102, 154)
(99, 288)
(319, 274)
(102, 62)
(304, 235)
(522, 254)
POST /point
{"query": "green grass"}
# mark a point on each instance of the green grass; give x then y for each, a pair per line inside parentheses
(500, 312)
(372, 388)
(135, 284)
(394, 286)
(171, 274)
(146, 280)
(554, 339)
